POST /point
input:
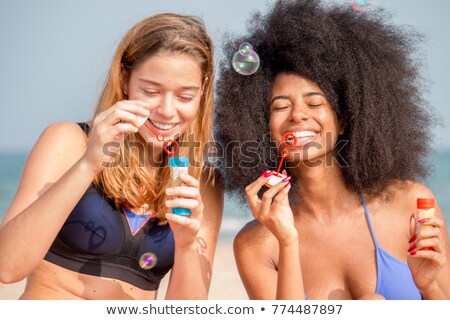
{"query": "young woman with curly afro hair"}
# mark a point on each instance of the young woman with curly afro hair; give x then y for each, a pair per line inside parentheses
(346, 85)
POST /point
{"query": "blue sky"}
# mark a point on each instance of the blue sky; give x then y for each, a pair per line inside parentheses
(55, 54)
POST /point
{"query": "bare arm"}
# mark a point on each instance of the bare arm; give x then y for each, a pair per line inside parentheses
(290, 281)
(190, 277)
(429, 257)
(59, 169)
(53, 181)
(257, 269)
(274, 212)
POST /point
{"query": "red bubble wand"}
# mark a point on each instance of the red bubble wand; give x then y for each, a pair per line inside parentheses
(277, 176)
(169, 143)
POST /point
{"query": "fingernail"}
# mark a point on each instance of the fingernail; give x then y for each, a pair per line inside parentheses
(287, 184)
(413, 238)
(412, 253)
(423, 221)
(412, 248)
(286, 179)
(266, 174)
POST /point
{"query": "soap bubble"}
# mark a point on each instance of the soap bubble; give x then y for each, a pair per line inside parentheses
(245, 64)
(148, 260)
(361, 5)
(245, 48)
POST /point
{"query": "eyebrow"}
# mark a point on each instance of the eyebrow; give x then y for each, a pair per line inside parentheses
(279, 98)
(309, 94)
(159, 84)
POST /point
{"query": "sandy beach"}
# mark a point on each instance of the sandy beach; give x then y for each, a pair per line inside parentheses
(225, 284)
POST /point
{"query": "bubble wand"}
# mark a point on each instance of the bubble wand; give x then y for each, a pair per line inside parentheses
(173, 144)
(277, 176)
(177, 165)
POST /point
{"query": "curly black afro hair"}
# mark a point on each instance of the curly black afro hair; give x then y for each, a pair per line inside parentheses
(365, 66)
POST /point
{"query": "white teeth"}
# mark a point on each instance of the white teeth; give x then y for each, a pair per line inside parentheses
(305, 134)
(162, 126)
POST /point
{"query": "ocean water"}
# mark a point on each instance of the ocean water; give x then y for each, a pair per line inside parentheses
(235, 215)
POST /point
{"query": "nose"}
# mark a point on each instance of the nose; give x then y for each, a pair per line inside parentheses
(166, 107)
(299, 112)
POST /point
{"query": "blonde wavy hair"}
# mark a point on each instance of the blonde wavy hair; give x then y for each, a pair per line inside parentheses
(131, 184)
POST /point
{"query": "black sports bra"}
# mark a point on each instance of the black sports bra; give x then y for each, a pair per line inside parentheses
(97, 239)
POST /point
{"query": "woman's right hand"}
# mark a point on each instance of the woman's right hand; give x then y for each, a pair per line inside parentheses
(108, 132)
(273, 210)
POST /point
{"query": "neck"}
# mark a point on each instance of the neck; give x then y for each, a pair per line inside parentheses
(323, 190)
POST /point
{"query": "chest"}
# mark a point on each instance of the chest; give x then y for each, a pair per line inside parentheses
(343, 269)
(96, 228)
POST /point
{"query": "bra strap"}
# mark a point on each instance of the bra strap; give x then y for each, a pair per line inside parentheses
(366, 211)
(85, 127)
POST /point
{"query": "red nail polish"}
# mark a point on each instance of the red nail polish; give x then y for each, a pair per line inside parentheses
(287, 185)
(412, 253)
(412, 248)
(423, 221)
(413, 238)
(267, 173)
(286, 179)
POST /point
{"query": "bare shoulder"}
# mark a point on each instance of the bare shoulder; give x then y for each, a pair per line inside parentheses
(404, 194)
(63, 133)
(412, 188)
(254, 239)
(58, 147)
(60, 144)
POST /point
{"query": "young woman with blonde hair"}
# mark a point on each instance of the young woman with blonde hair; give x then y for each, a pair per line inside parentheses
(91, 218)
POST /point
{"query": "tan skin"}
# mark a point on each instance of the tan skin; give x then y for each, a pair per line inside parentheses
(323, 248)
(64, 162)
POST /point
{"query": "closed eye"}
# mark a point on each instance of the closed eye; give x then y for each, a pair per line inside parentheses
(278, 108)
(150, 92)
(186, 99)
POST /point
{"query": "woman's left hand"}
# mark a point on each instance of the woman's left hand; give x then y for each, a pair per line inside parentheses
(185, 228)
(427, 254)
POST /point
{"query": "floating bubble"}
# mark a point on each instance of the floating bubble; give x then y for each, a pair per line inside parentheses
(245, 64)
(245, 48)
(360, 5)
(148, 260)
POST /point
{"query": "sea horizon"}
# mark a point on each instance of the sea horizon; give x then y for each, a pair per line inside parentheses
(235, 214)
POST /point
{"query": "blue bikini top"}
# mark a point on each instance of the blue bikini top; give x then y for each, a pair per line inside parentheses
(394, 279)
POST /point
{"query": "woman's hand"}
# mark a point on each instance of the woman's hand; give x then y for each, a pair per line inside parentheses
(185, 228)
(108, 132)
(273, 210)
(427, 254)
